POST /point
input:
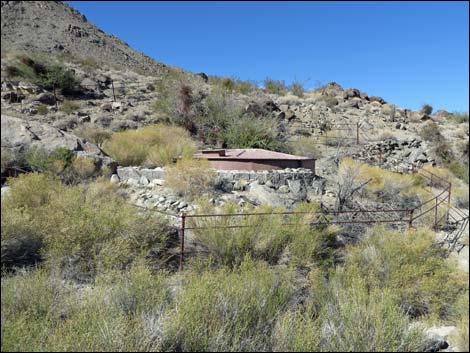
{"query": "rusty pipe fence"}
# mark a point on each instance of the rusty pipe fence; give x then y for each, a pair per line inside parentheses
(409, 217)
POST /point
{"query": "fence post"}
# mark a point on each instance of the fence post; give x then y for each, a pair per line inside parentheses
(357, 133)
(410, 222)
(55, 97)
(448, 201)
(435, 215)
(114, 95)
(183, 218)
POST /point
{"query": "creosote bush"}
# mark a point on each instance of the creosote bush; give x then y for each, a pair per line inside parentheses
(275, 86)
(191, 178)
(80, 229)
(157, 145)
(228, 310)
(305, 146)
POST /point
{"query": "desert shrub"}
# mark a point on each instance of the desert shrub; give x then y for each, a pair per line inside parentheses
(7, 157)
(222, 108)
(40, 312)
(228, 310)
(56, 161)
(89, 63)
(69, 107)
(247, 132)
(233, 84)
(158, 144)
(42, 109)
(297, 88)
(341, 316)
(60, 77)
(430, 132)
(337, 138)
(173, 142)
(460, 317)
(460, 170)
(305, 146)
(461, 197)
(426, 109)
(84, 167)
(94, 134)
(229, 239)
(190, 177)
(423, 281)
(458, 117)
(11, 71)
(82, 229)
(274, 86)
(330, 101)
(399, 190)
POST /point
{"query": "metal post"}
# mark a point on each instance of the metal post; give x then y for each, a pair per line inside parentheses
(435, 216)
(183, 218)
(410, 222)
(55, 97)
(114, 95)
(448, 201)
(357, 133)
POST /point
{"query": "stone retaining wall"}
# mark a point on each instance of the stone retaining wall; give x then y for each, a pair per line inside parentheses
(229, 180)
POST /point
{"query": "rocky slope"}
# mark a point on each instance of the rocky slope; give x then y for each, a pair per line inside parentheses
(56, 27)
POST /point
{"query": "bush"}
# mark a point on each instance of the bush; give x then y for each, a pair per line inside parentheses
(93, 134)
(297, 88)
(232, 84)
(275, 86)
(55, 162)
(305, 146)
(329, 100)
(426, 109)
(83, 167)
(460, 318)
(341, 316)
(69, 107)
(248, 132)
(459, 118)
(42, 109)
(156, 144)
(40, 312)
(82, 229)
(190, 177)
(227, 310)
(59, 77)
(424, 283)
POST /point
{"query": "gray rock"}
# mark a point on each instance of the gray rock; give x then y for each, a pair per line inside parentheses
(46, 98)
(284, 189)
(143, 180)
(5, 191)
(115, 179)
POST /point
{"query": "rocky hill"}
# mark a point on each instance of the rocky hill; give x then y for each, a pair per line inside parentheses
(55, 27)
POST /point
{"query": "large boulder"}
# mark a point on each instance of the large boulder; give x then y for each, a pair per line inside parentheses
(46, 98)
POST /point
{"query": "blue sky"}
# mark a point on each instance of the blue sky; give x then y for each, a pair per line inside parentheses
(409, 53)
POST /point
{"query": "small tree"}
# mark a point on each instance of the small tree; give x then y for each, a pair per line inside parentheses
(426, 109)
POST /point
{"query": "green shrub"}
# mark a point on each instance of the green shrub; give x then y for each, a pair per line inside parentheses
(341, 317)
(228, 310)
(249, 132)
(460, 317)
(82, 229)
(42, 109)
(40, 312)
(59, 77)
(156, 144)
(423, 282)
(275, 86)
(69, 107)
(460, 170)
(459, 118)
(426, 109)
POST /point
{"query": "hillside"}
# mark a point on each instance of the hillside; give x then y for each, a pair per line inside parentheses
(116, 237)
(57, 28)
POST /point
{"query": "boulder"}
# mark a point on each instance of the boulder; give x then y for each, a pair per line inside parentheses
(46, 98)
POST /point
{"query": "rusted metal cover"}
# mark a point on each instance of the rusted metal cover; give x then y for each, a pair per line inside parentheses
(254, 159)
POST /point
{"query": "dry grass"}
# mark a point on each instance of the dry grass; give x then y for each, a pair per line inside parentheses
(156, 145)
